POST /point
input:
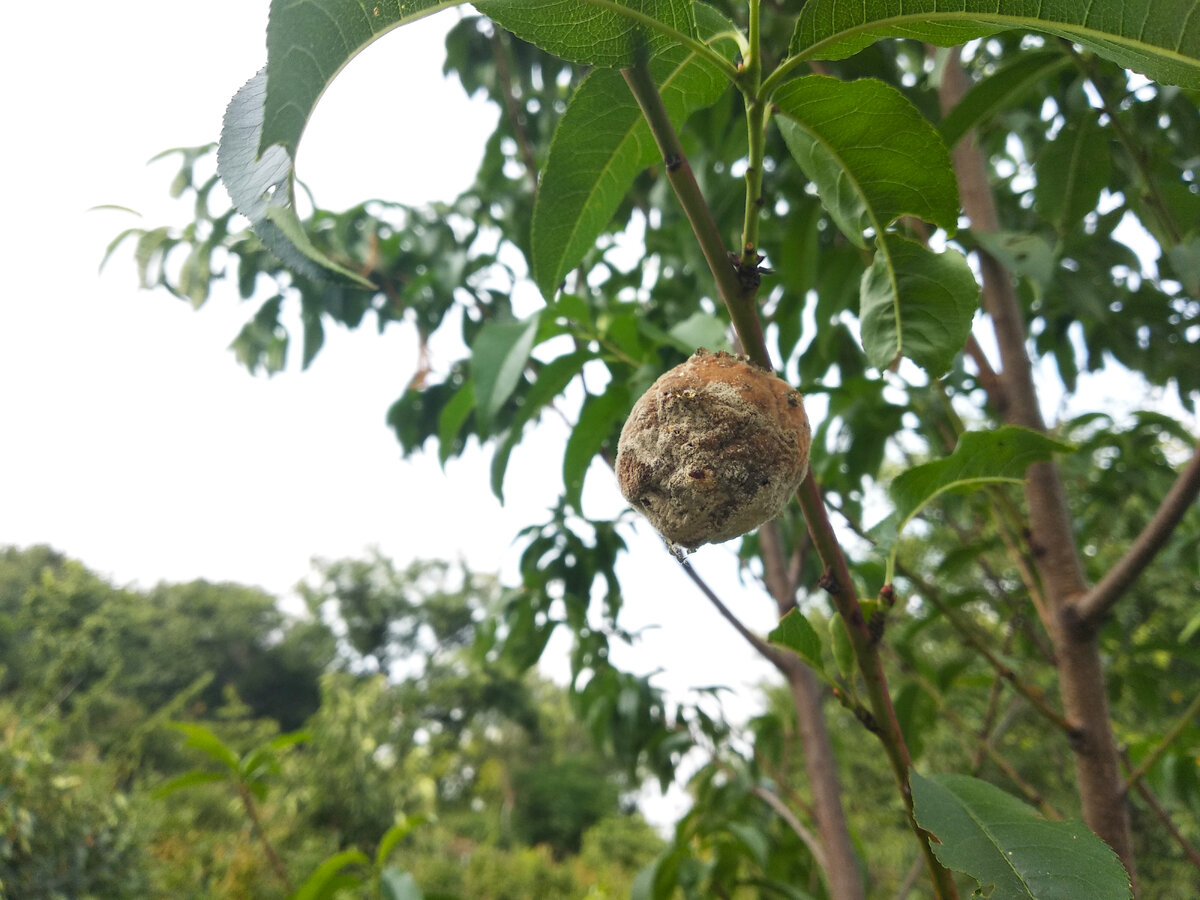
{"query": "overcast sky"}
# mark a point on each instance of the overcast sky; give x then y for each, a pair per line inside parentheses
(132, 440)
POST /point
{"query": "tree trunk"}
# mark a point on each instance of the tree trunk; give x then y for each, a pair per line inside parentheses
(1081, 674)
(842, 868)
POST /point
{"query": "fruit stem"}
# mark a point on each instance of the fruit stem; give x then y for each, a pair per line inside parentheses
(742, 310)
(738, 289)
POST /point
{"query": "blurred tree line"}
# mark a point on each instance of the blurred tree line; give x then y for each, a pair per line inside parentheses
(510, 797)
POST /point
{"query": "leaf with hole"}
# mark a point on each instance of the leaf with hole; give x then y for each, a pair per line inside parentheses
(1011, 851)
(261, 187)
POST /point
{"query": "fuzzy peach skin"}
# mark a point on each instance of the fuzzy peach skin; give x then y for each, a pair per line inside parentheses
(713, 449)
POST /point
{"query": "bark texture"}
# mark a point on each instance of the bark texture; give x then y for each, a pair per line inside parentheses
(841, 862)
(1052, 539)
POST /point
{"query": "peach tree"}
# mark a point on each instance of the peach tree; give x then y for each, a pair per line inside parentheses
(932, 217)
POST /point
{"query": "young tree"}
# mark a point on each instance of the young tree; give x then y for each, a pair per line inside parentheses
(830, 171)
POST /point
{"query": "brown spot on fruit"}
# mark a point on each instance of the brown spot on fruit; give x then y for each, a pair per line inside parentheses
(713, 449)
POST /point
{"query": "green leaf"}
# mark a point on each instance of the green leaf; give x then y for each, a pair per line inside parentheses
(871, 155)
(454, 414)
(981, 458)
(1028, 255)
(394, 836)
(551, 380)
(1011, 851)
(596, 419)
(795, 633)
(1159, 38)
(1004, 88)
(601, 144)
(1185, 263)
(1071, 172)
(916, 303)
(753, 839)
(610, 34)
(326, 878)
(204, 740)
(187, 780)
(498, 357)
(261, 187)
(397, 885)
(700, 330)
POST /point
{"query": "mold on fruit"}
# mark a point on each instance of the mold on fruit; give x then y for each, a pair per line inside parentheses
(713, 449)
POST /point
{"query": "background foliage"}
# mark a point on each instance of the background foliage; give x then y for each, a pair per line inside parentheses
(1092, 170)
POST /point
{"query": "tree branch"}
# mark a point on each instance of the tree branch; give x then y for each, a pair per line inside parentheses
(841, 866)
(743, 312)
(1096, 603)
(1081, 671)
(807, 837)
(774, 654)
(1167, 739)
(1163, 816)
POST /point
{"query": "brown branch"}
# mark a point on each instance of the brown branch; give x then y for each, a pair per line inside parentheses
(841, 868)
(1096, 603)
(992, 709)
(1030, 692)
(1081, 671)
(989, 379)
(807, 837)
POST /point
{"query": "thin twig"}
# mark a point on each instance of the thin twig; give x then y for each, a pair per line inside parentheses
(1030, 692)
(257, 826)
(1096, 603)
(1167, 739)
(504, 73)
(910, 879)
(807, 837)
(773, 654)
(1164, 816)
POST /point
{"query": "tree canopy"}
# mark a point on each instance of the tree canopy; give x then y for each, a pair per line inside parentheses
(935, 220)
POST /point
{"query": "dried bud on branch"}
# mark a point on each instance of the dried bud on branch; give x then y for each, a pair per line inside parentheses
(716, 447)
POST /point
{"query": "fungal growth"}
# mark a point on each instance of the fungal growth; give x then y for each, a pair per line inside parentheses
(713, 449)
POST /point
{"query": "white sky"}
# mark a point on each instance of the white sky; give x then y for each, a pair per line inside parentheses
(129, 436)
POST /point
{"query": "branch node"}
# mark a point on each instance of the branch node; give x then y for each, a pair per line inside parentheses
(828, 582)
